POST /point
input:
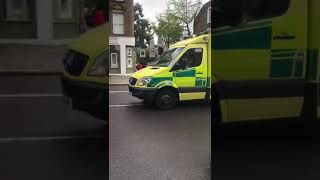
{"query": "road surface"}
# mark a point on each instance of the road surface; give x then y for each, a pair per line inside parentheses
(148, 144)
(41, 138)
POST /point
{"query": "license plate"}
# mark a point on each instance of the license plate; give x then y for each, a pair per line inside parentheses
(67, 101)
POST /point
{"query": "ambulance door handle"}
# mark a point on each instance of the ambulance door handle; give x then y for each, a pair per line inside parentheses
(199, 73)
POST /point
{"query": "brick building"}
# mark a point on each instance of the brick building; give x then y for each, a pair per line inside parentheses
(121, 38)
(202, 21)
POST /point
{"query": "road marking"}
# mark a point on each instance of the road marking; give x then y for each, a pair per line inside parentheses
(28, 95)
(19, 139)
(125, 105)
(118, 91)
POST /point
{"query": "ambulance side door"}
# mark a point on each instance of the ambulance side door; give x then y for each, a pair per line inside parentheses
(190, 72)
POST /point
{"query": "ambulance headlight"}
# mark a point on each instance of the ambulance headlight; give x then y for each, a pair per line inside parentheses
(144, 81)
(99, 68)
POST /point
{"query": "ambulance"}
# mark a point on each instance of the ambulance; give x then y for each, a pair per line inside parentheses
(179, 74)
(260, 63)
(84, 80)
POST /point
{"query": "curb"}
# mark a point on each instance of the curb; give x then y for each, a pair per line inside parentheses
(29, 72)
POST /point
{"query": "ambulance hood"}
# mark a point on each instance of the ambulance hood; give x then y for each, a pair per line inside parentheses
(149, 71)
(91, 43)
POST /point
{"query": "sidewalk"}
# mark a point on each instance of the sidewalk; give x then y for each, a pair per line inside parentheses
(118, 80)
(31, 58)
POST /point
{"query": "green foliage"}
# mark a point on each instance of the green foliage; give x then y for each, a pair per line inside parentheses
(185, 11)
(142, 27)
(168, 29)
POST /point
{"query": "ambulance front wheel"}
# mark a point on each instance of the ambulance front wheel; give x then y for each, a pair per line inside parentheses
(166, 99)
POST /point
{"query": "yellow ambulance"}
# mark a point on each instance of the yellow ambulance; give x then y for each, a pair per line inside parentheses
(181, 73)
(265, 60)
(262, 62)
(84, 80)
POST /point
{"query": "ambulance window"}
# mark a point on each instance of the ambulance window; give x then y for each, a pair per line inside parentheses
(166, 58)
(263, 9)
(233, 13)
(193, 57)
(226, 12)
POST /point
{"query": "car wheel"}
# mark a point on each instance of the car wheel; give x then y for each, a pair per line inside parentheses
(166, 99)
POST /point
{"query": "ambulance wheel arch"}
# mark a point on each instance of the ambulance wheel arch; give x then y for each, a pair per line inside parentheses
(166, 98)
(167, 83)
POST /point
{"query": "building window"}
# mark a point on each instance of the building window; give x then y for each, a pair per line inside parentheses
(64, 9)
(18, 10)
(129, 52)
(114, 60)
(142, 53)
(115, 56)
(209, 15)
(118, 23)
(129, 63)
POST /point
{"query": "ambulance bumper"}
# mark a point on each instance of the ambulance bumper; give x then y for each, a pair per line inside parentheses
(146, 94)
(86, 96)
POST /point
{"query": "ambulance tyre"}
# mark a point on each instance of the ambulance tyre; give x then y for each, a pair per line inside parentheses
(147, 103)
(166, 99)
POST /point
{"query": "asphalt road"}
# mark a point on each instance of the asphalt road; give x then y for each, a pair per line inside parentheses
(148, 144)
(41, 138)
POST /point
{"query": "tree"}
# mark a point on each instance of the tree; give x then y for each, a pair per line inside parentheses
(142, 27)
(168, 28)
(185, 12)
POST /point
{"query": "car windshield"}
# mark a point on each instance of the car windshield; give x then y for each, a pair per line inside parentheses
(166, 58)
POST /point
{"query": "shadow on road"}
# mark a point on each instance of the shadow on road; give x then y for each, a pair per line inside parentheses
(187, 105)
(99, 132)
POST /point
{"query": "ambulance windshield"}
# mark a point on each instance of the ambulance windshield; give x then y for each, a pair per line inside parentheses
(167, 57)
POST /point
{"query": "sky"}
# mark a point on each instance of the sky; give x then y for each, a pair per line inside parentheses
(151, 8)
